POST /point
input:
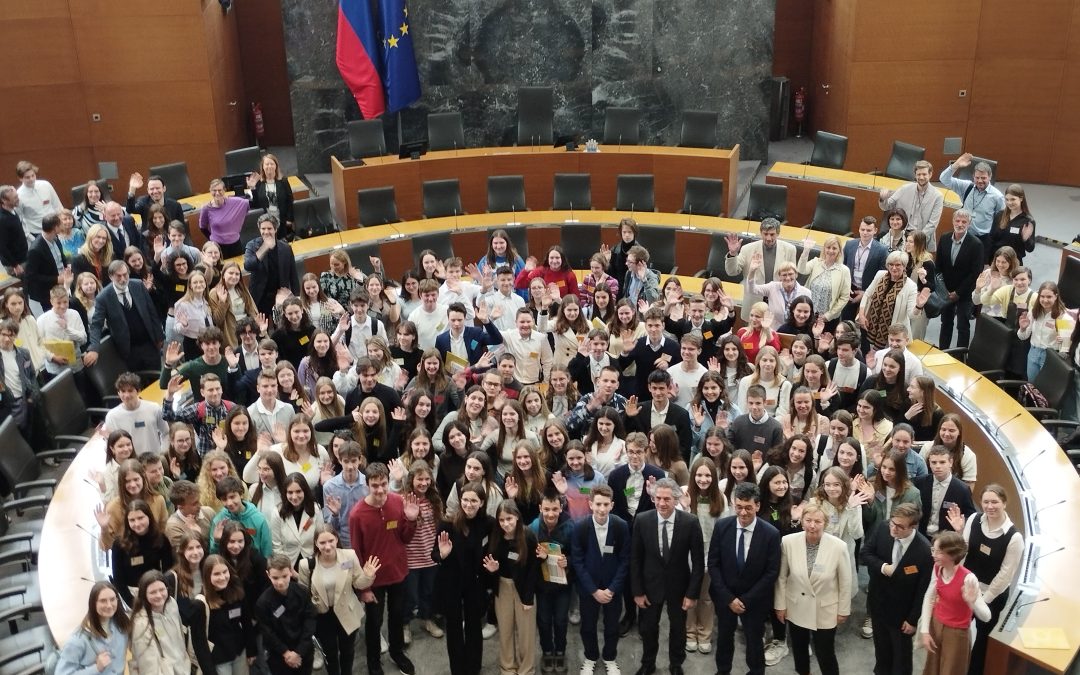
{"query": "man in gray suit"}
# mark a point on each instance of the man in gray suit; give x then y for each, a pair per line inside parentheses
(772, 251)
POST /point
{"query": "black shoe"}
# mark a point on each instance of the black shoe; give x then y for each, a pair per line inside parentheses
(625, 625)
(404, 665)
(649, 670)
(676, 670)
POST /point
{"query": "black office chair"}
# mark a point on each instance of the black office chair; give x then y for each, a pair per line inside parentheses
(703, 196)
(67, 418)
(366, 138)
(573, 192)
(243, 160)
(833, 214)
(312, 217)
(442, 198)
(29, 651)
(21, 468)
(519, 237)
(660, 243)
(902, 161)
(634, 192)
(378, 206)
(579, 243)
(505, 194)
(536, 107)
(1069, 282)
(698, 129)
(830, 150)
(994, 344)
(250, 229)
(714, 266)
(445, 131)
(767, 201)
(78, 193)
(1054, 381)
(361, 255)
(176, 179)
(967, 172)
(621, 126)
(439, 242)
(110, 365)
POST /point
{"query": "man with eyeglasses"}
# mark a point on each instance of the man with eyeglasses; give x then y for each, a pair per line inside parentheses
(18, 380)
(898, 560)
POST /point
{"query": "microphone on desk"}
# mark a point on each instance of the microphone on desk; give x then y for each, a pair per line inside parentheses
(513, 214)
(631, 209)
(998, 427)
(87, 580)
(1016, 612)
(92, 535)
(965, 391)
(1026, 464)
(1056, 550)
(620, 142)
(689, 215)
(1049, 506)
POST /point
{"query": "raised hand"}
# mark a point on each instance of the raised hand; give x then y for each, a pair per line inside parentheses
(173, 353)
(955, 518)
(219, 438)
(714, 364)
(530, 263)
(279, 433)
(174, 467)
(412, 506)
(175, 383)
(698, 412)
(333, 503)
(482, 312)
(135, 182)
(559, 481)
(219, 528)
(734, 243)
(642, 305)
(963, 160)
(252, 180)
(372, 566)
(1027, 231)
(101, 516)
(632, 407)
(510, 486)
(399, 413)
(305, 407)
(376, 263)
(491, 564)
(344, 358)
(445, 545)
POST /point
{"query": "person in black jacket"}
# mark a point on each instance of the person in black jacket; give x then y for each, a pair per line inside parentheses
(286, 620)
(13, 247)
(459, 551)
(628, 230)
(46, 264)
(155, 194)
(650, 352)
(514, 573)
(141, 548)
(959, 260)
(221, 629)
(640, 417)
(941, 490)
(271, 264)
(270, 190)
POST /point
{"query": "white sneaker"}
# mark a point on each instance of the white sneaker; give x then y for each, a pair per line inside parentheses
(575, 616)
(587, 667)
(489, 631)
(384, 646)
(867, 629)
(704, 647)
(775, 652)
(691, 645)
(612, 668)
(406, 635)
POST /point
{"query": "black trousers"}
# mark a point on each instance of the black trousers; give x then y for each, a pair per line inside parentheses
(277, 665)
(465, 644)
(753, 624)
(591, 611)
(824, 649)
(392, 599)
(649, 629)
(982, 635)
(956, 314)
(339, 646)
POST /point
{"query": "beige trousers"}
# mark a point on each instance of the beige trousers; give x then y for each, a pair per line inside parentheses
(699, 619)
(517, 631)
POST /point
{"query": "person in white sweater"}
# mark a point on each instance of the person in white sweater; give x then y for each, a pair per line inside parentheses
(158, 645)
(430, 317)
(142, 419)
(62, 323)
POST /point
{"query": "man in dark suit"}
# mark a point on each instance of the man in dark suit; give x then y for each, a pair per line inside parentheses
(631, 484)
(865, 257)
(898, 560)
(20, 394)
(132, 320)
(12, 233)
(123, 231)
(660, 410)
(651, 352)
(667, 560)
(155, 194)
(590, 360)
(271, 264)
(600, 556)
(45, 263)
(709, 330)
(959, 262)
(940, 489)
(744, 562)
(468, 342)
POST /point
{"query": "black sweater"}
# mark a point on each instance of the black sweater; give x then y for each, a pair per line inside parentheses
(128, 567)
(287, 622)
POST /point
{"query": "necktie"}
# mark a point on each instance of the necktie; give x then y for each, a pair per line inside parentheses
(664, 544)
(124, 300)
(740, 552)
(897, 552)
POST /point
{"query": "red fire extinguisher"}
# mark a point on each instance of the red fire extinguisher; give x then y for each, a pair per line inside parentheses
(257, 120)
(800, 109)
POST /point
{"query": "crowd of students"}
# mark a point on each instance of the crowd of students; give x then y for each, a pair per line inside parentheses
(500, 445)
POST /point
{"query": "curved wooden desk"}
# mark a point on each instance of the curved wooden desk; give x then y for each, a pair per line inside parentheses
(472, 166)
(804, 182)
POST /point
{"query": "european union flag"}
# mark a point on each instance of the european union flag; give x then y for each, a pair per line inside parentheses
(400, 77)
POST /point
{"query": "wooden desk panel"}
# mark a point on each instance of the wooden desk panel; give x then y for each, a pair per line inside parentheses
(473, 166)
(804, 182)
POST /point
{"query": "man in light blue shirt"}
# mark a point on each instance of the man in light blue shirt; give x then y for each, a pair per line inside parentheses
(342, 492)
(978, 195)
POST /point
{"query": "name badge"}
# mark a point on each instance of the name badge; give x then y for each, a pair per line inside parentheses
(818, 567)
(305, 466)
(375, 442)
(512, 555)
(534, 355)
(880, 496)
(440, 326)
(347, 565)
(234, 613)
(391, 524)
(399, 362)
(984, 549)
(561, 283)
(759, 439)
(180, 288)
(304, 339)
(137, 560)
(484, 542)
(607, 550)
(473, 343)
(911, 569)
(140, 425)
(584, 490)
(307, 525)
(707, 335)
(748, 345)
(629, 492)
(279, 611)
(770, 401)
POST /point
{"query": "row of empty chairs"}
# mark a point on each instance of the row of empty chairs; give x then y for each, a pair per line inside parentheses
(571, 191)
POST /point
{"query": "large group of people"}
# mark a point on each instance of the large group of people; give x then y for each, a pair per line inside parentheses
(498, 448)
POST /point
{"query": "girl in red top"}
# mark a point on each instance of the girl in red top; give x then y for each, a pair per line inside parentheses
(420, 582)
(759, 333)
(554, 271)
(950, 601)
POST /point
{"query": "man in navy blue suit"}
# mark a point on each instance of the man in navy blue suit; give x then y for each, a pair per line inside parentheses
(468, 342)
(744, 562)
(600, 556)
(865, 257)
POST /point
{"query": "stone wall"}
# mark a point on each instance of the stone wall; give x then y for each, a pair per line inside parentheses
(662, 57)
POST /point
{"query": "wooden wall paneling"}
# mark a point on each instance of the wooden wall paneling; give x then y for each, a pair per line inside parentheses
(47, 116)
(539, 173)
(470, 245)
(1020, 92)
(543, 238)
(221, 42)
(261, 32)
(916, 30)
(691, 251)
(38, 51)
(908, 91)
(147, 8)
(1009, 30)
(130, 117)
(1022, 152)
(1063, 167)
(129, 49)
(834, 25)
(397, 257)
(605, 169)
(15, 10)
(202, 160)
(793, 38)
(869, 145)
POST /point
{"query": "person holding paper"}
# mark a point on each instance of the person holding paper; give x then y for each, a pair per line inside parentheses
(467, 343)
(554, 534)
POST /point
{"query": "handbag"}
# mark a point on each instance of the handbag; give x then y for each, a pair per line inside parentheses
(938, 298)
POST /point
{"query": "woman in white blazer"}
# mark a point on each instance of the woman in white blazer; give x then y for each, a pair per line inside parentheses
(881, 293)
(828, 279)
(292, 527)
(813, 591)
(333, 576)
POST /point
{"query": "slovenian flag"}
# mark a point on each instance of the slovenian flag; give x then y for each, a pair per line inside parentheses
(375, 55)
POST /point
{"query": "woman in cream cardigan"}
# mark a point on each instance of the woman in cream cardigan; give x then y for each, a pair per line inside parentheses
(813, 591)
(828, 279)
(158, 644)
(338, 613)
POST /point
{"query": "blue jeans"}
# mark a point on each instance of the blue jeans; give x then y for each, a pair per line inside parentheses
(553, 618)
(419, 591)
(1036, 359)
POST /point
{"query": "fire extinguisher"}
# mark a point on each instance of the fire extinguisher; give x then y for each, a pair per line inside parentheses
(257, 120)
(800, 109)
